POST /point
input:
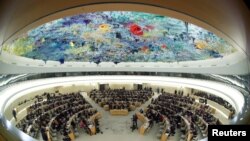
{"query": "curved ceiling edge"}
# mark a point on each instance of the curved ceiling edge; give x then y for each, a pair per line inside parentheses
(240, 68)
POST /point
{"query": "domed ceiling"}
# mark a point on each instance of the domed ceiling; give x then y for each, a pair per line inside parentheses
(119, 36)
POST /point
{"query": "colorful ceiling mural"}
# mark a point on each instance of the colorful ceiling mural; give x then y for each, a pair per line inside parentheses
(119, 36)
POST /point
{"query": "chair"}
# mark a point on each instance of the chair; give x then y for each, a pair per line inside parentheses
(183, 137)
(204, 132)
(132, 107)
(53, 130)
(159, 135)
(53, 133)
(195, 138)
(106, 107)
(53, 136)
(76, 132)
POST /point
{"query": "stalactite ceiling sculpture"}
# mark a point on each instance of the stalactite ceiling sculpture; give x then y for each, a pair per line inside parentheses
(119, 36)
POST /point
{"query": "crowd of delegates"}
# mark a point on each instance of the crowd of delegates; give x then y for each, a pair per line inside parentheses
(53, 112)
(121, 98)
(175, 107)
(218, 100)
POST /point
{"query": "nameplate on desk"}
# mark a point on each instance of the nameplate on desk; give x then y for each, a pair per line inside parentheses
(218, 132)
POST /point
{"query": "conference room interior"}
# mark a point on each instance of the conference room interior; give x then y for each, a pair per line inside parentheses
(122, 70)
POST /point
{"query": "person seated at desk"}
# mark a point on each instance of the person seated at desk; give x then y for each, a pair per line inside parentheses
(83, 124)
(14, 113)
(157, 117)
(172, 129)
(73, 124)
(112, 106)
(168, 132)
(32, 132)
(43, 133)
(141, 111)
(66, 138)
(48, 97)
(123, 106)
(194, 132)
(115, 106)
(151, 123)
(134, 122)
(65, 134)
(65, 131)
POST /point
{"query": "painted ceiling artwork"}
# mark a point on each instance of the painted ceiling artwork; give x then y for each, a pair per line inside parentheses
(119, 36)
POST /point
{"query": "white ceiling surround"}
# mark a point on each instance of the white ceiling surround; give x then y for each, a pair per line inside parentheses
(239, 68)
(227, 66)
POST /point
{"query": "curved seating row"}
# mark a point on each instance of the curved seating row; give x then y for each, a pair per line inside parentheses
(45, 112)
(181, 112)
(218, 100)
(120, 99)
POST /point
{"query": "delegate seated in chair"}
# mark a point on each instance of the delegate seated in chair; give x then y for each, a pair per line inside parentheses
(85, 127)
(66, 138)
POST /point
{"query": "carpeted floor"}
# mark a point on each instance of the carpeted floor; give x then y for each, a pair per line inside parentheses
(118, 127)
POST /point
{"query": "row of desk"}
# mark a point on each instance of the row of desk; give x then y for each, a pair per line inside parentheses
(145, 126)
(145, 122)
(91, 126)
(121, 112)
(224, 110)
(106, 107)
(166, 124)
(188, 130)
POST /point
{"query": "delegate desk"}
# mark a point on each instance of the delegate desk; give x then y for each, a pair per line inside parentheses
(203, 123)
(92, 121)
(164, 137)
(92, 128)
(91, 125)
(145, 122)
(164, 134)
(141, 117)
(189, 132)
(116, 112)
(48, 135)
(71, 134)
(95, 116)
